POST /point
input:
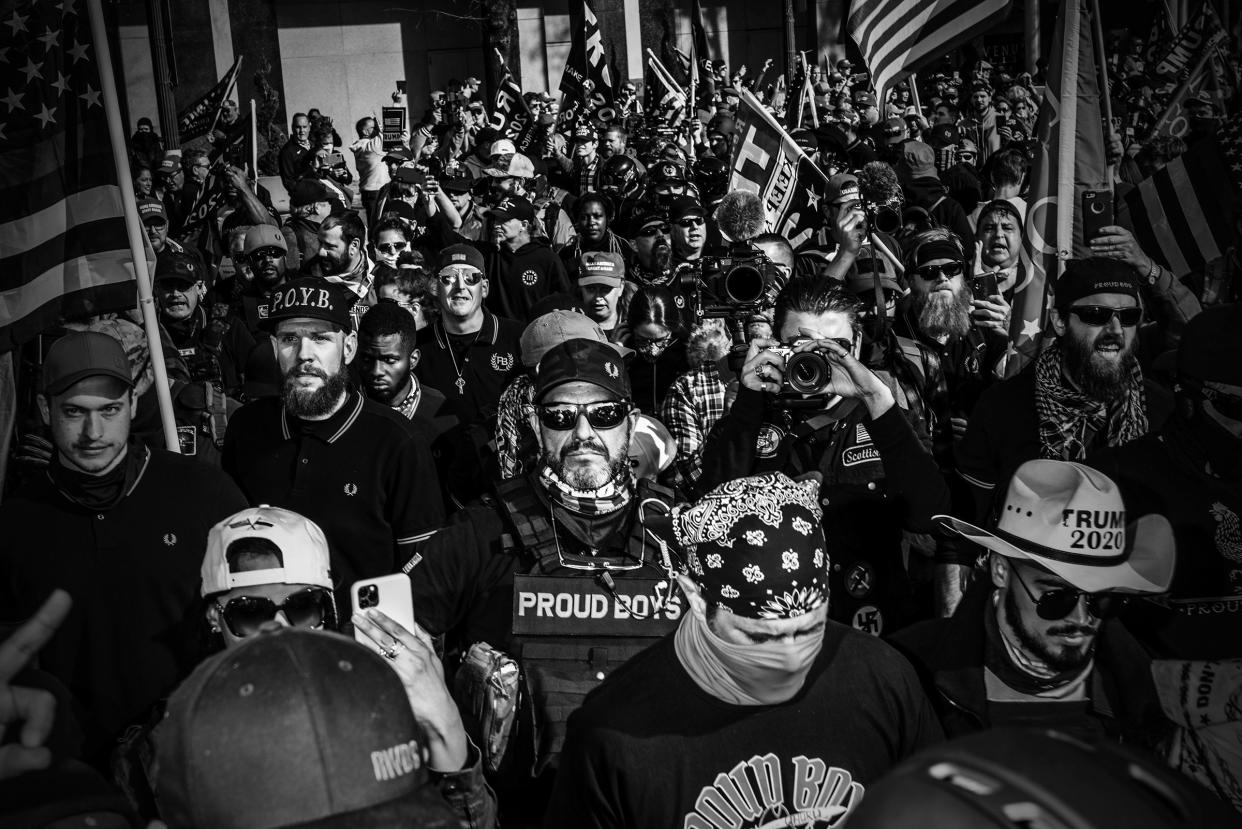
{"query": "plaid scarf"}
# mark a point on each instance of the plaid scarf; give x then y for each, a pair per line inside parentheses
(1066, 415)
(606, 500)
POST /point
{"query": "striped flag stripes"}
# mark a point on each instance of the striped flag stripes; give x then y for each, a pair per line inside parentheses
(899, 36)
(63, 243)
(1182, 214)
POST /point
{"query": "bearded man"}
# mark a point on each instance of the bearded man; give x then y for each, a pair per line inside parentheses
(1085, 391)
(1035, 644)
(570, 569)
(355, 467)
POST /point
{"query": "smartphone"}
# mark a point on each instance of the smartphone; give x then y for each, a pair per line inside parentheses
(390, 595)
(984, 285)
(333, 159)
(1097, 212)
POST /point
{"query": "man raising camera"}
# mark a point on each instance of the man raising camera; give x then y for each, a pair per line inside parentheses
(806, 405)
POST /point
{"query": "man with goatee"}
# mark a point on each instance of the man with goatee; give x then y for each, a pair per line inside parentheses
(1083, 393)
(355, 467)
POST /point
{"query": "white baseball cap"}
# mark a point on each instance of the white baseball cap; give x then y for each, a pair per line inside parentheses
(302, 545)
(502, 147)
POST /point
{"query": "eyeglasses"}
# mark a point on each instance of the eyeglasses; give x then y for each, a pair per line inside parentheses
(561, 417)
(1100, 315)
(933, 272)
(654, 230)
(1229, 405)
(157, 224)
(691, 221)
(309, 608)
(1061, 601)
(266, 253)
(470, 278)
(393, 247)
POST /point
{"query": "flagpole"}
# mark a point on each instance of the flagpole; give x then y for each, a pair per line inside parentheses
(1101, 66)
(914, 92)
(137, 248)
(665, 75)
(254, 143)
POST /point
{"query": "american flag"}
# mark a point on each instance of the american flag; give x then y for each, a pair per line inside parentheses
(899, 36)
(63, 243)
(769, 163)
(1182, 213)
(1069, 159)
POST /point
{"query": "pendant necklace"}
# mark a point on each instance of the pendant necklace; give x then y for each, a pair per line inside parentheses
(460, 382)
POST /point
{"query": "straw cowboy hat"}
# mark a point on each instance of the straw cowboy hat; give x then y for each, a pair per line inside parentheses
(1070, 519)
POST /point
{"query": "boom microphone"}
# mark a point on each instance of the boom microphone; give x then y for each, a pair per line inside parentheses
(740, 216)
(878, 183)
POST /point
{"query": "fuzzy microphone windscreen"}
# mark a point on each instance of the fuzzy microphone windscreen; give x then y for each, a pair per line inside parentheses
(740, 216)
(878, 183)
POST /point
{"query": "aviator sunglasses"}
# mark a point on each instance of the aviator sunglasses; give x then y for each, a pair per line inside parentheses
(561, 417)
(1060, 602)
(309, 608)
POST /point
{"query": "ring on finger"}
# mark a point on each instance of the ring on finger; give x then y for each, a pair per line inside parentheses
(389, 653)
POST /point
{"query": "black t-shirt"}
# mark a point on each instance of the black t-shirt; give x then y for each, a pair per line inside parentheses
(365, 476)
(470, 370)
(651, 748)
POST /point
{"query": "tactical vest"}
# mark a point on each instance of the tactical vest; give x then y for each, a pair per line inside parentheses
(573, 626)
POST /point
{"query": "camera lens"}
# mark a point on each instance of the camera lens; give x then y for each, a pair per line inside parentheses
(368, 596)
(744, 284)
(808, 372)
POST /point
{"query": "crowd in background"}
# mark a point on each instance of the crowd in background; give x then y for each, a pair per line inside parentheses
(472, 365)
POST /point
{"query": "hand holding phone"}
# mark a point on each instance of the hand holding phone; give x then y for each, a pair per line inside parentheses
(389, 594)
(1097, 213)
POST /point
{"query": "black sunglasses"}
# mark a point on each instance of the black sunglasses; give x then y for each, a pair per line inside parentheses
(561, 417)
(266, 253)
(654, 230)
(1101, 315)
(309, 608)
(690, 221)
(1061, 601)
(932, 272)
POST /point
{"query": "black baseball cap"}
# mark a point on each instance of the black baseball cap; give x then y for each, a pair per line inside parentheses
(179, 266)
(82, 354)
(1095, 275)
(512, 207)
(310, 297)
(589, 361)
(684, 206)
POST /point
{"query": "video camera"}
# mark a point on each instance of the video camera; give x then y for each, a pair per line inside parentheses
(731, 283)
(882, 218)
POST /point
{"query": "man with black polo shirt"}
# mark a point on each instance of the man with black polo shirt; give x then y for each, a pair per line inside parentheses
(469, 354)
(122, 528)
(353, 466)
(521, 269)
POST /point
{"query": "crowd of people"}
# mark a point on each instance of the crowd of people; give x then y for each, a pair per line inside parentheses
(696, 527)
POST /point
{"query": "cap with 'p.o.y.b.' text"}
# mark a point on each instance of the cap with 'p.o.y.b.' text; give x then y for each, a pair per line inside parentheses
(310, 297)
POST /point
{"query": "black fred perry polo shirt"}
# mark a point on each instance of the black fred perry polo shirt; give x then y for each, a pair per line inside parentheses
(471, 370)
(365, 475)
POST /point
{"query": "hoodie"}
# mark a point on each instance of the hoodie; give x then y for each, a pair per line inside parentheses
(518, 279)
(928, 193)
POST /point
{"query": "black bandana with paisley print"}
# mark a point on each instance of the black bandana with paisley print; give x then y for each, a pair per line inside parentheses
(755, 546)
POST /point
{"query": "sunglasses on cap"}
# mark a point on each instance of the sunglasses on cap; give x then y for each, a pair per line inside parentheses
(691, 221)
(309, 608)
(561, 417)
(1098, 316)
(470, 278)
(1060, 602)
(933, 272)
(660, 229)
(392, 247)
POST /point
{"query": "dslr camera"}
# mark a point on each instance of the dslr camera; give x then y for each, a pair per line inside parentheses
(730, 283)
(882, 217)
(807, 374)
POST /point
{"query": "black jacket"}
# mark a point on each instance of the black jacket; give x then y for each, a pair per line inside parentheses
(949, 656)
(931, 195)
